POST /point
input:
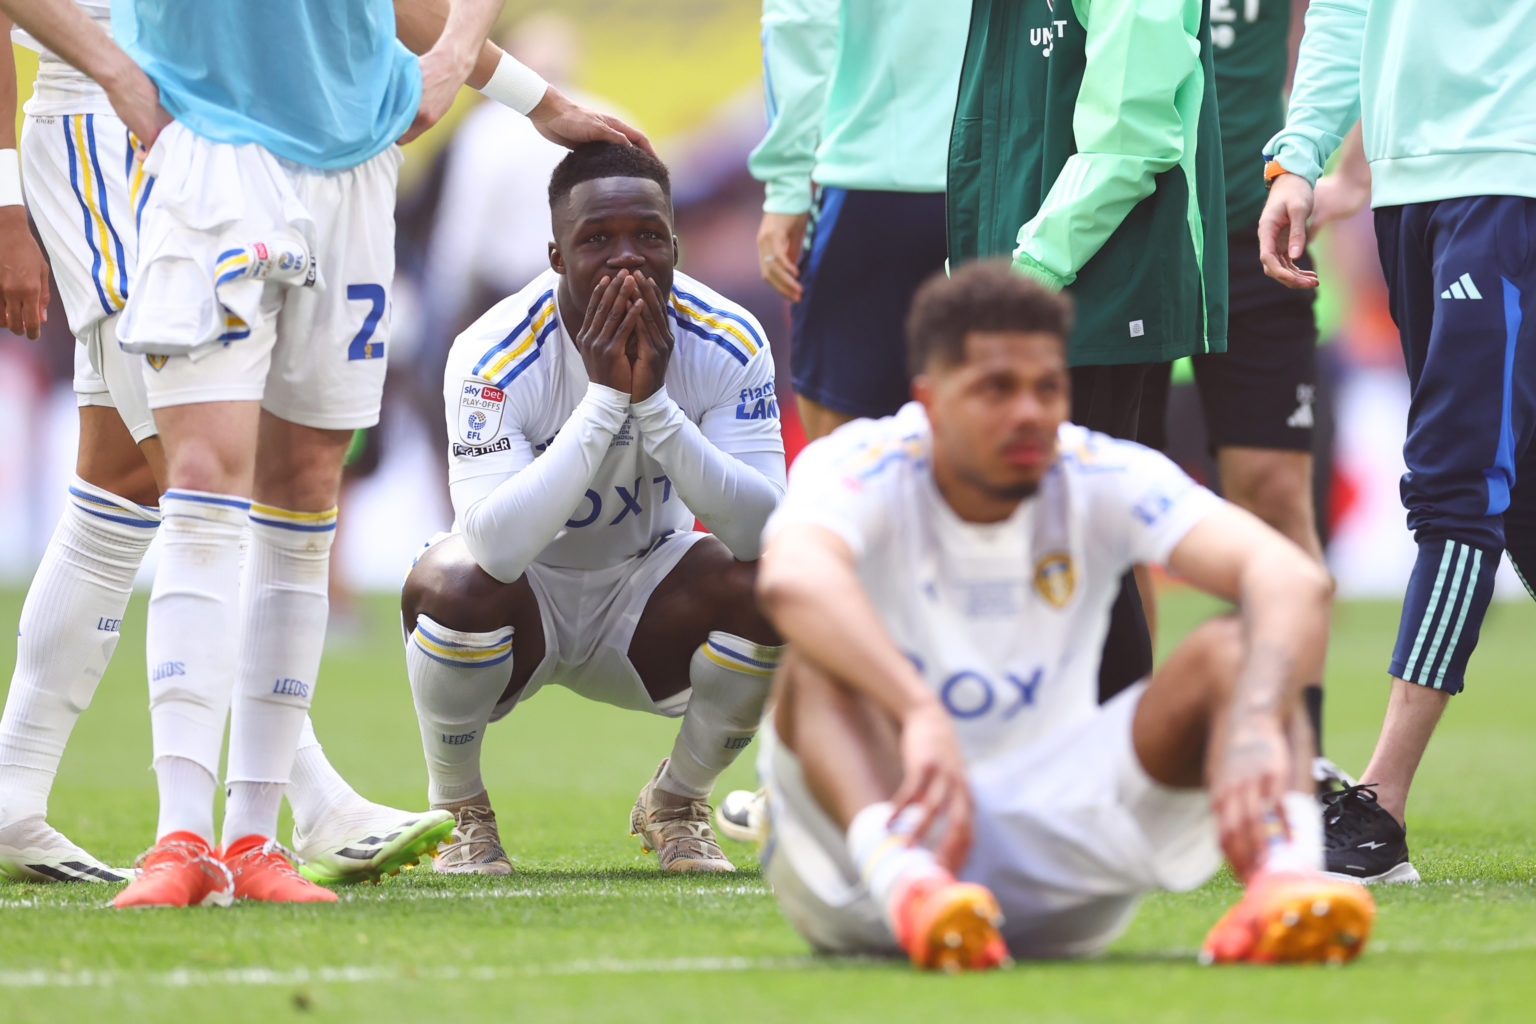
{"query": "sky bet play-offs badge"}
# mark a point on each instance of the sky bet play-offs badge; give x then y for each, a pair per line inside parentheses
(480, 406)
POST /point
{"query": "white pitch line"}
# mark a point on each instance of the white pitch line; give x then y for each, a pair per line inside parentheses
(394, 894)
(363, 974)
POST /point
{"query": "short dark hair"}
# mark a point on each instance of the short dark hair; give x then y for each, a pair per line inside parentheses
(592, 160)
(984, 296)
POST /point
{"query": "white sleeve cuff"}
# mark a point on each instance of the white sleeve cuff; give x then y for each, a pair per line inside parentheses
(516, 85)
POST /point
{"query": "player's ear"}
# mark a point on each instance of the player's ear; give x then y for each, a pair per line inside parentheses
(556, 261)
(677, 251)
(922, 390)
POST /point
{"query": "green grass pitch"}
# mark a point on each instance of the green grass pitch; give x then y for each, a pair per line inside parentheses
(587, 930)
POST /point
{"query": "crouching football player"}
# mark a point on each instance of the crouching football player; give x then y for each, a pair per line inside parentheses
(940, 778)
(591, 417)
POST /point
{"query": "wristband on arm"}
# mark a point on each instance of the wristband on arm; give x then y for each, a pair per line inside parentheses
(514, 84)
(10, 178)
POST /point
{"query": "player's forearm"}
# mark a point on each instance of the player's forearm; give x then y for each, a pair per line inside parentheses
(419, 24)
(799, 47)
(7, 87)
(1127, 127)
(506, 529)
(1325, 99)
(65, 29)
(813, 597)
(1284, 598)
(730, 497)
(456, 28)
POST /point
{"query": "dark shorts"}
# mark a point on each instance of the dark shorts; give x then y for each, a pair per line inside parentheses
(865, 254)
(1260, 393)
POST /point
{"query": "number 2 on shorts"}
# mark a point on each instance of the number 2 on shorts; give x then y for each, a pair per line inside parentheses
(363, 346)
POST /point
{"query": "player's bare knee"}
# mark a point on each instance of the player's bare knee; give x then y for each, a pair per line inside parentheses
(1217, 650)
(450, 588)
(132, 479)
(1276, 487)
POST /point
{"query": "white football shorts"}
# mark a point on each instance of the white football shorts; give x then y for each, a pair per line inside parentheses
(589, 618)
(263, 280)
(1070, 833)
(82, 185)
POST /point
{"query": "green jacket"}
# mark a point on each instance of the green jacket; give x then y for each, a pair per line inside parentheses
(1092, 123)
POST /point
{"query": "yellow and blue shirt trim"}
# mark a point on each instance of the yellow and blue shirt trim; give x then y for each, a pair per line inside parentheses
(514, 353)
(732, 332)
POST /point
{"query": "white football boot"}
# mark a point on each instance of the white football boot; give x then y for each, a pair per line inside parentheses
(367, 842)
(743, 816)
(476, 848)
(31, 850)
(677, 828)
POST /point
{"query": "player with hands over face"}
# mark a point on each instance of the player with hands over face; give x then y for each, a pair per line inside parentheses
(592, 417)
(942, 779)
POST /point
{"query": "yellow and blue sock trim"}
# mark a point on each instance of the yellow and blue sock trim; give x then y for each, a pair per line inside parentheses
(740, 655)
(287, 519)
(465, 650)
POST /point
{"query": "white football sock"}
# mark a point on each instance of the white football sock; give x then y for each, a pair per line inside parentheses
(731, 678)
(316, 788)
(456, 680)
(186, 797)
(283, 610)
(886, 859)
(193, 642)
(69, 628)
(1302, 849)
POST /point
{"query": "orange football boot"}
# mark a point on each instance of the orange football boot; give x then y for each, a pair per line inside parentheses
(1293, 917)
(950, 926)
(262, 872)
(180, 870)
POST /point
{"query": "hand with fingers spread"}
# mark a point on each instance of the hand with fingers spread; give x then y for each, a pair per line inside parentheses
(606, 338)
(933, 780)
(23, 275)
(1249, 770)
(779, 238)
(652, 342)
(1283, 231)
(565, 122)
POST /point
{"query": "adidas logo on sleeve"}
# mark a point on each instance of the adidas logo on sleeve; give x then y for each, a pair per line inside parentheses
(1462, 288)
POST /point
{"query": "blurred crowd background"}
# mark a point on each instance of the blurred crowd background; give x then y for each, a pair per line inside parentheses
(473, 227)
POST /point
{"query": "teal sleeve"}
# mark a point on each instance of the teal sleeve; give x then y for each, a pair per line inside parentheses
(1325, 100)
(1127, 125)
(799, 47)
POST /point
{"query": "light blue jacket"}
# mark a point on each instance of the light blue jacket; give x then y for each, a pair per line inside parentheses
(1446, 90)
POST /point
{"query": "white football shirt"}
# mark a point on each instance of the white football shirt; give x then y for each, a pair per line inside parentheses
(514, 377)
(1005, 621)
(60, 89)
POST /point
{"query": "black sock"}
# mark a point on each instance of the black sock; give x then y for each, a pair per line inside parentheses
(1313, 697)
(1127, 645)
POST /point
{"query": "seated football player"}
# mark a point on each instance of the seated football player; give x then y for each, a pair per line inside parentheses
(591, 417)
(940, 777)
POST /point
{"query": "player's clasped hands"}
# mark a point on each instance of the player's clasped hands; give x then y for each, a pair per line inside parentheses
(625, 340)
